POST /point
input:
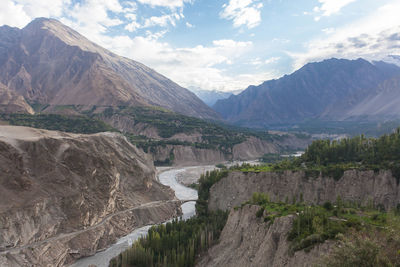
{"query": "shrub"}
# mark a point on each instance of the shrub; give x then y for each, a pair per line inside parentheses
(328, 206)
(260, 212)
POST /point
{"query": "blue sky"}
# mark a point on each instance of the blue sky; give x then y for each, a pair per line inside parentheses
(225, 44)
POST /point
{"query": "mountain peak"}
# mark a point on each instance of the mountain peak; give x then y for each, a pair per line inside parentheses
(40, 24)
(47, 26)
(53, 64)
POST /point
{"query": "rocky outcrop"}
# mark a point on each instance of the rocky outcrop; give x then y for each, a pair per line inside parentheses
(65, 196)
(180, 155)
(253, 148)
(11, 102)
(248, 241)
(365, 187)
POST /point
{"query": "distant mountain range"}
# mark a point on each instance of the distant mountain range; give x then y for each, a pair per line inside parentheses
(334, 89)
(210, 97)
(49, 63)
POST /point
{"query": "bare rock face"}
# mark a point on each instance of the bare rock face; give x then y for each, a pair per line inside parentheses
(11, 102)
(362, 187)
(253, 148)
(187, 155)
(65, 196)
(49, 63)
(248, 241)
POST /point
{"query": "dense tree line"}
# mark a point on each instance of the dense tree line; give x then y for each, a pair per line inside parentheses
(356, 149)
(357, 152)
(178, 243)
(205, 182)
(73, 124)
(175, 244)
(333, 158)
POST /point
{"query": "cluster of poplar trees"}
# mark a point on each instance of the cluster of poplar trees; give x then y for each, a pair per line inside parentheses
(356, 149)
(178, 243)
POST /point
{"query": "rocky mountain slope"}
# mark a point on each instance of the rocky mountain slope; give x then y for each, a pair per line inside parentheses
(49, 63)
(384, 102)
(361, 187)
(12, 102)
(65, 196)
(248, 241)
(334, 89)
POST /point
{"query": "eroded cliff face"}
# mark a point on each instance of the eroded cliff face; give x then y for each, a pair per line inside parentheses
(181, 155)
(251, 149)
(363, 187)
(65, 196)
(248, 241)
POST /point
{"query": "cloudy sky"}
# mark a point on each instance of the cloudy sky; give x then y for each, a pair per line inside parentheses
(224, 44)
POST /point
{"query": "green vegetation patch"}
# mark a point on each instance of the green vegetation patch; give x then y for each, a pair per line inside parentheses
(317, 223)
(73, 124)
(376, 247)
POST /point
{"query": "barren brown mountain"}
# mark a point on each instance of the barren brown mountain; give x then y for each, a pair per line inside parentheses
(64, 196)
(49, 63)
(12, 102)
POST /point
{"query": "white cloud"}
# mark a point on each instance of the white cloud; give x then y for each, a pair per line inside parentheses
(330, 7)
(243, 12)
(371, 37)
(272, 60)
(328, 30)
(13, 14)
(165, 3)
(133, 24)
(189, 25)
(189, 66)
(18, 13)
(259, 62)
(130, 7)
(97, 24)
(163, 21)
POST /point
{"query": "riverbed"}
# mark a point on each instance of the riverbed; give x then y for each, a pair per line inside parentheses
(166, 176)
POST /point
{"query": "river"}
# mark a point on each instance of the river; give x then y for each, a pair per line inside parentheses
(167, 176)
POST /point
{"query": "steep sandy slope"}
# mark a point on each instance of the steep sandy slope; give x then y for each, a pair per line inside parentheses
(357, 186)
(64, 196)
(49, 63)
(11, 102)
(385, 102)
(248, 241)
